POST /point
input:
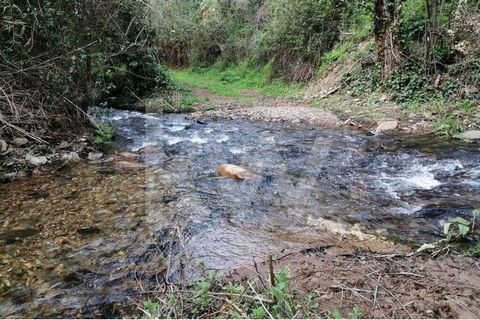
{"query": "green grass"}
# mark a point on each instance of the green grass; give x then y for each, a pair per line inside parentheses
(234, 80)
(448, 116)
(332, 56)
(188, 101)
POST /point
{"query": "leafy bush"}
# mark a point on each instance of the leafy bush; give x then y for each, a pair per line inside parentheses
(297, 34)
(203, 33)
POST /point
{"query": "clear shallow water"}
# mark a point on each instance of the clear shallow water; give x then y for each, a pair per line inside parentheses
(87, 236)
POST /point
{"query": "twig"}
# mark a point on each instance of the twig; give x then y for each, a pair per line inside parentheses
(259, 275)
(270, 267)
(216, 294)
(260, 300)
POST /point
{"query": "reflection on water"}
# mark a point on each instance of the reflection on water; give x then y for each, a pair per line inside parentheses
(77, 242)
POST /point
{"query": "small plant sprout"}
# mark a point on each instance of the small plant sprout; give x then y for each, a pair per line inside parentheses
(458, 227)
(454, 229)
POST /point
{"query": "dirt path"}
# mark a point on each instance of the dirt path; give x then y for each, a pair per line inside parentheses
(264, 108)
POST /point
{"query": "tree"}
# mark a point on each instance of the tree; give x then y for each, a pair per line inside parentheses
(387, 14)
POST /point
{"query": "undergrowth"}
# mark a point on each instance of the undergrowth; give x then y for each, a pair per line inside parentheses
(210, 297)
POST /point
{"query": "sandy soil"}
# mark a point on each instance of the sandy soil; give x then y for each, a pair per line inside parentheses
(264, 108)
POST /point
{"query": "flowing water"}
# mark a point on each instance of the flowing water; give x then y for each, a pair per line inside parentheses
(82, 240)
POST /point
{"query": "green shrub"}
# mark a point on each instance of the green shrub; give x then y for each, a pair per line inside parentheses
(297, 34)
(104, 136)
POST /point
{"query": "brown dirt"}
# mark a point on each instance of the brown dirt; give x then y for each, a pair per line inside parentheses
(383, 285)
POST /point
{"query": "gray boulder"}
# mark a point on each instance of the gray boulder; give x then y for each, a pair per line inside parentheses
(471, 134)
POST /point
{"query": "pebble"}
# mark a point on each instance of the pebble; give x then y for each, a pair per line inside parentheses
(71, 157)
(3, 146)
(386, 126)
(36, 160)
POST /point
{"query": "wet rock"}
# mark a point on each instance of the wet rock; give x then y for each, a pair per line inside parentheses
(95, 155)
(386, 126)
(3, 145)
(471, 134)
(148, 150)
(236, 172)
(36, 160)
(169, 198)
(71, 157)
(15, 235)
(20, 142)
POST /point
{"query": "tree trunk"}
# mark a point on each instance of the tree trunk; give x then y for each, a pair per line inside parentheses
(387, 14)
(431, 34)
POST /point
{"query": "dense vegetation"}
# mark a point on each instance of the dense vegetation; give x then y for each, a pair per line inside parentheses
(424, 49)
(56, 57)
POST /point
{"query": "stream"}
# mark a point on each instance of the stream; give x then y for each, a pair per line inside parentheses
(81, 241)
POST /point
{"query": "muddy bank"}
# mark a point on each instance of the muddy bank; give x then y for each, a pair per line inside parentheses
(383, 285)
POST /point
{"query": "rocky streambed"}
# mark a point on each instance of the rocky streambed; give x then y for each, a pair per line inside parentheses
(82, 241)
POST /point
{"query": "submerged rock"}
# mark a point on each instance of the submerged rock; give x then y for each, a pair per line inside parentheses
(36, 161)
(236, 172)
(127, 155)
(129, 165)
(148, 150)
(471, 134)
(386, 126)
